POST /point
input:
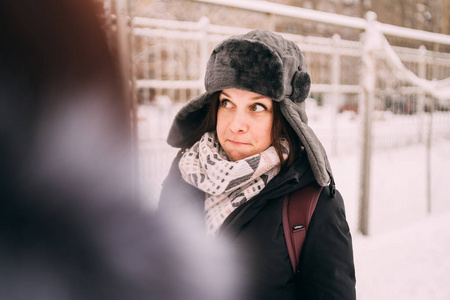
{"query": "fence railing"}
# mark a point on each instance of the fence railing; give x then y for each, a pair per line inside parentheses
(170, 57)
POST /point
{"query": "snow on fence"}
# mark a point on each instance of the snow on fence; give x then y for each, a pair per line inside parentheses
(366, 96)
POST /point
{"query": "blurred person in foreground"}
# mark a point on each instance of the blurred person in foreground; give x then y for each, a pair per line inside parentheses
(245, 145)
(71, 226)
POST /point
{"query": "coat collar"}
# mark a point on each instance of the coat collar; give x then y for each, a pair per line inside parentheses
(297, 176)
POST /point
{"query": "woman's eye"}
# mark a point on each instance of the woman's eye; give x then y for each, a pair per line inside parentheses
(258, 107)
(225, 103)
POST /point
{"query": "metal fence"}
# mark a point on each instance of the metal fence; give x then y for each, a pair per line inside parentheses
(169, 58)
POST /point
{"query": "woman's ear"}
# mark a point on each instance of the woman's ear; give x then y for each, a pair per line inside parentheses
(301, 84)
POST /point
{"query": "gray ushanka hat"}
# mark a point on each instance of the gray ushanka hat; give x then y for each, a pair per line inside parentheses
(264, 63)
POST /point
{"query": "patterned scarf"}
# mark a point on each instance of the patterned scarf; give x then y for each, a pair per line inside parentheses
(227, 184)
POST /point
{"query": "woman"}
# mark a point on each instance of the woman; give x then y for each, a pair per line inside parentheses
(245, 146)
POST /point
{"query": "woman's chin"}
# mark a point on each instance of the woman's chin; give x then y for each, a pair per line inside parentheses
(238, 151)
(235, 156)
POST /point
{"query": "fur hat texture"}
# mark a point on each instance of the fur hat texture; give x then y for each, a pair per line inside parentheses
(267, 64)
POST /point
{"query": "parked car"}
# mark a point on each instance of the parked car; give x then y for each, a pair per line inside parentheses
(401, 104)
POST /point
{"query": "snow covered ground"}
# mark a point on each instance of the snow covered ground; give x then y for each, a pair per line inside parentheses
(405, 255)
(411, 262)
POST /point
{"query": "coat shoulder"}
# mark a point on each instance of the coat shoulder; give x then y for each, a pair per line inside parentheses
(329, 205)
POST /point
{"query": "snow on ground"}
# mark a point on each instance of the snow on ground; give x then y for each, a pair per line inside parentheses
(405, 255)
(398, 185)
(405, 263)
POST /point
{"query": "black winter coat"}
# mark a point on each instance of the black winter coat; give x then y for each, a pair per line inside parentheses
(256, 229)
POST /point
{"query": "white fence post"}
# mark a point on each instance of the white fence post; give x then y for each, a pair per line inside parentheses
(425, 130)
(125, 49)
(429, 142)
(421, 72)
(204, 47)
(370, 42)
(335, 81)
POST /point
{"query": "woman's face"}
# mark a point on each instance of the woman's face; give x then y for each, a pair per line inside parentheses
(244, 123)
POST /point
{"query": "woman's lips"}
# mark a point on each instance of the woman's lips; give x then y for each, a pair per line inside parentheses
(238, 143)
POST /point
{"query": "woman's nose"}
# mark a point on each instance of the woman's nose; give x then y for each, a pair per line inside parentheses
(239, 123)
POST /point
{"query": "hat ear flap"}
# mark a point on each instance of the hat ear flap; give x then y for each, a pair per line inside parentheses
(301, 84)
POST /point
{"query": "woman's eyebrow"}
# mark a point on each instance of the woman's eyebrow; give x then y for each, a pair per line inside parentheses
(259, 97)
(252, 98)
(225, 94)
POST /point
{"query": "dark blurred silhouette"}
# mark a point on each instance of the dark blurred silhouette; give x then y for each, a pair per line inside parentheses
(71, 226)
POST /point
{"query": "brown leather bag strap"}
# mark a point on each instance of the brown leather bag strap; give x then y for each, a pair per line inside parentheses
(298, 209)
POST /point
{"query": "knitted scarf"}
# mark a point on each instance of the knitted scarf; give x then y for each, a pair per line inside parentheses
(226, 184)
